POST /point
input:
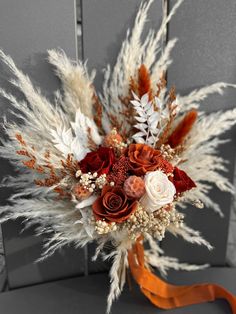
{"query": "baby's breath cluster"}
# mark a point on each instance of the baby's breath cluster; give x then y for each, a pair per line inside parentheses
(91, 181)
(103, 227)
(170, 216)
(167, 152)
(141, 222)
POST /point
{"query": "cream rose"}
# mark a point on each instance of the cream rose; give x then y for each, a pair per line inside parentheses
(160, 191)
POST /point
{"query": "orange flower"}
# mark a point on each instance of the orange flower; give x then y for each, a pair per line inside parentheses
(144, 158)
(113, 205)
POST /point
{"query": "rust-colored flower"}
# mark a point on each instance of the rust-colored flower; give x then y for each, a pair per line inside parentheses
(182, 181)
(113, 205)
(144, 158)
(99, 161)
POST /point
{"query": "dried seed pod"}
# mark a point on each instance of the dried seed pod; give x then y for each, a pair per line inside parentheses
(134, 187)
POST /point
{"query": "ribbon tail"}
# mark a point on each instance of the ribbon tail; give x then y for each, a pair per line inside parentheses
(167, 296)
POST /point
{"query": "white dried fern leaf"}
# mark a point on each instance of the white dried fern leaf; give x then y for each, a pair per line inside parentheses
(76, 142)
(84, 127)
(67, 144)
(150, 121)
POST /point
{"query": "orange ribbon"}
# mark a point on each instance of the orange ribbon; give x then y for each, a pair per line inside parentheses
(167, 296)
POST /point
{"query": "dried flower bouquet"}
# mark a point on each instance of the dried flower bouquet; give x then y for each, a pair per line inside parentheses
(119, 166)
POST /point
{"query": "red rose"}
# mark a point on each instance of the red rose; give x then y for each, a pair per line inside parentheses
(99, 161)
(182, 181)
(113, 205)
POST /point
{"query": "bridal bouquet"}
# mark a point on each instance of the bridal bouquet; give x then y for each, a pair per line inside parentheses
(117, 167)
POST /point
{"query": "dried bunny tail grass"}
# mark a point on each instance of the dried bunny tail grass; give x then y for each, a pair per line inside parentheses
(183, 128)
(144, 82)
(189, 235)
(210, 126)
(77, 83)
(191, 101)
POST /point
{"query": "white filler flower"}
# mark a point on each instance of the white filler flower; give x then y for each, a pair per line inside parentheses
(160, 191)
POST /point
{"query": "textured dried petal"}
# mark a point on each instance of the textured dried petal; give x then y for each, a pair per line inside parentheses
(134, 187)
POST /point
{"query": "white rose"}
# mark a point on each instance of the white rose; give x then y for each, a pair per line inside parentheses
(160, 191)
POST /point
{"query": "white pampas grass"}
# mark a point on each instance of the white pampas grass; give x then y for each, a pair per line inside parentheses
(189, 235)
(38, 116)
(163, 63)
(117, 273)
(77, 83)
(67, 144)
(192, 100)
(202, 163)
(133, 53)
(155, 258)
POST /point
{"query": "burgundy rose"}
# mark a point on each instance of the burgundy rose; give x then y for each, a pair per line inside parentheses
(182, 181)
(113, 205)
(99, 161)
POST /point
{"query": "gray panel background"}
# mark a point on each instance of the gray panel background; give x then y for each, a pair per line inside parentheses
(205, 53)
(27, 29)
